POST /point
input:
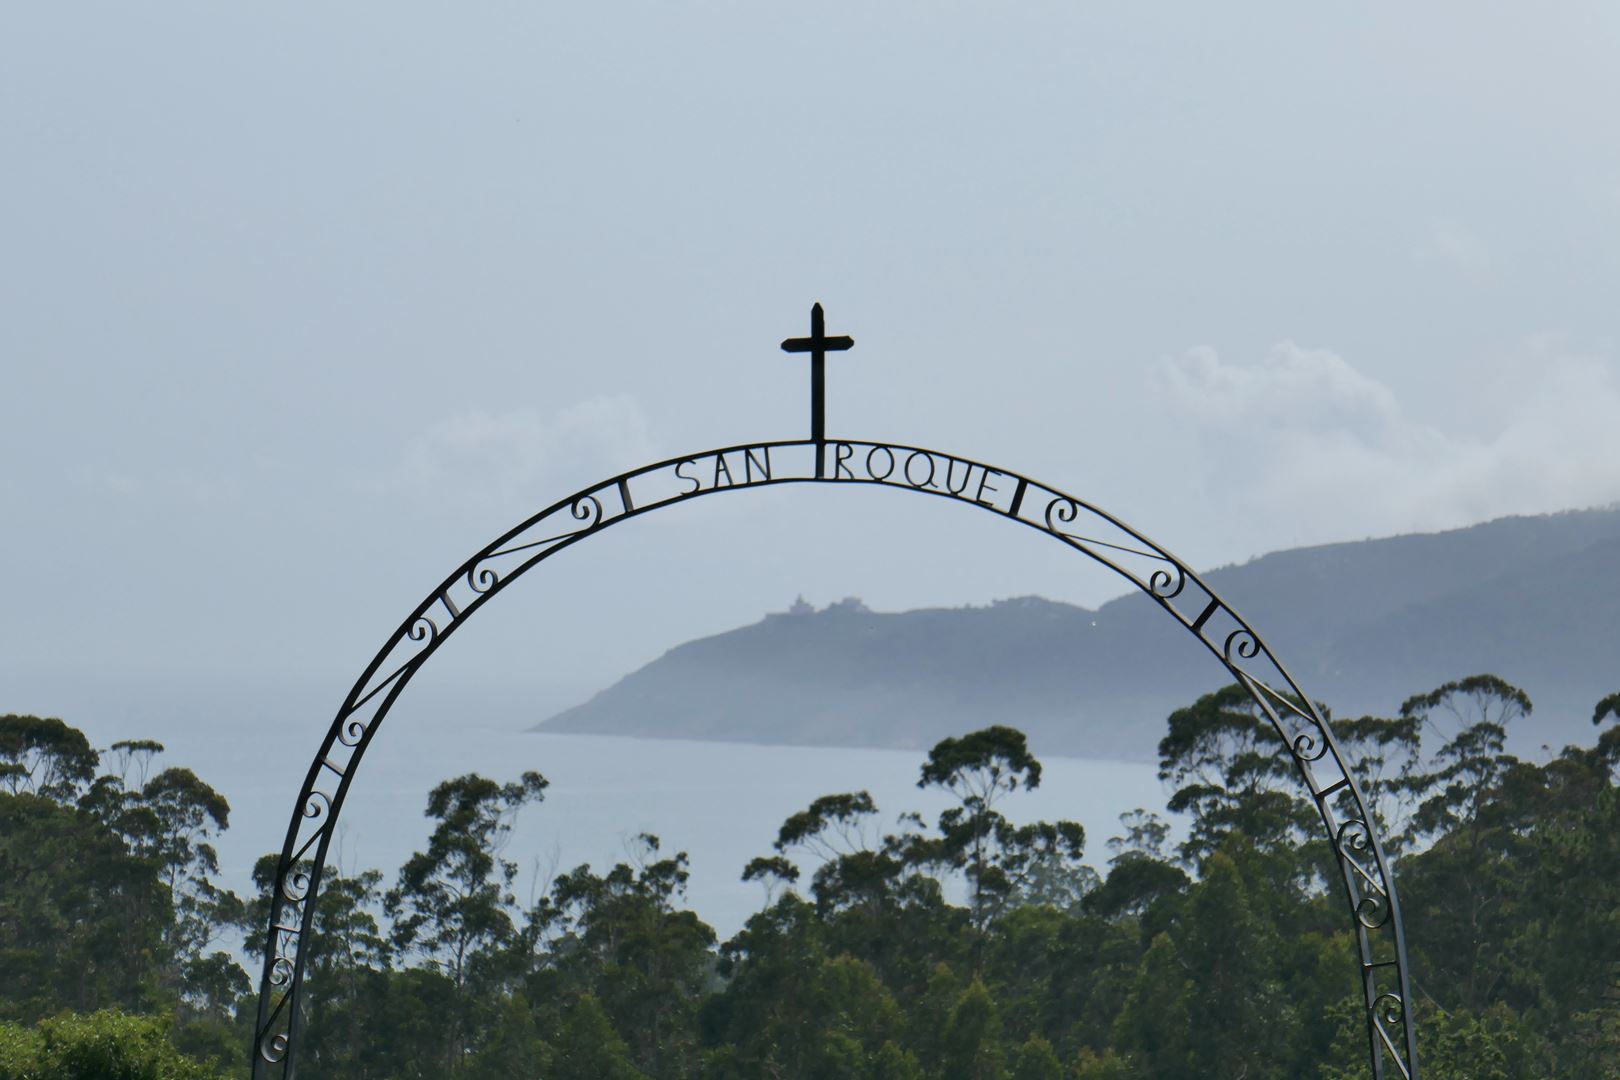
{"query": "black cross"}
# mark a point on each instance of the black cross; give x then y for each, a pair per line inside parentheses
(818, 345)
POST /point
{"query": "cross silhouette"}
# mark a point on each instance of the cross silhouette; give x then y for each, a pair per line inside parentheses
(818, 345)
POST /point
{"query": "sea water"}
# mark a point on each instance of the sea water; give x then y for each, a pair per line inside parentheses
(720, 803)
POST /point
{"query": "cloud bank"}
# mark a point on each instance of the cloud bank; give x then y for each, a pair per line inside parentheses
(1313, 450)
(515, 457)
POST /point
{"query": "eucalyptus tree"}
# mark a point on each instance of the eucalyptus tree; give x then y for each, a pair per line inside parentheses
(1003, 863)
(1231, 773)
(1471, 758)
(44, 756)
(453, 905)
(621, 937)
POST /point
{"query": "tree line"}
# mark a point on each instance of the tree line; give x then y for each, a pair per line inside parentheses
(886, 947)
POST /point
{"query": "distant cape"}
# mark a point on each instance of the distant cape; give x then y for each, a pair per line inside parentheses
(1360, 625)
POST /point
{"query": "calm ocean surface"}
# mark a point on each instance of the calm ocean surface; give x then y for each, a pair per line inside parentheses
(720, 802)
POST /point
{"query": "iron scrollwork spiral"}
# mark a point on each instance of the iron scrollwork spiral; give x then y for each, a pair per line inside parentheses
(1167, 584)
(281, 971)
(481, 579)
(1059, 512)
(587, 509)
(1372, 911)
(317, 805)
(1240, 644)
(295, 886)
(1390, 1009)
(274, 1048)
(1355, 845)
(1309, 747)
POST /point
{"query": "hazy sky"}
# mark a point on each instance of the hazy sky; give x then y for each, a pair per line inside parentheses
(303, 303)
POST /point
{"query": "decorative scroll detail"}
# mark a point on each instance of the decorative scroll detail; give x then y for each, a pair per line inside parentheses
(1305, 735)
(317, 805)
(481, 579)
(1240, 645)
(1167, 577)
(295, 886)
(1372, 911)
(588, 509)
(1167, 584)
(1308, 747)
(1355, 846)
(352, 733)
(1388, 1010)
(1060, 512)
(274, 1049)
(1304, 732)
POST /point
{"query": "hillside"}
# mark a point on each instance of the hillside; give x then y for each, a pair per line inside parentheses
(1361, 625)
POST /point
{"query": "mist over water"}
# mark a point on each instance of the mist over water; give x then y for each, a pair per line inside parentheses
(722, 803)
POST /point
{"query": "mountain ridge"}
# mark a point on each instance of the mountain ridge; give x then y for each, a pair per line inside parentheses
(1360, 625)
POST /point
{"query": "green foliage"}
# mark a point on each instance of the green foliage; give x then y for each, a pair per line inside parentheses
(1235, 999)
(44, 756)
(130, 919)
(512, 1045)
(1471, 761)
(1231, 774)
(829, 826)
(1494, 1045)
(1228, 956)
(1108, 1066)
(1385, 755)
(588, 1047)
(971, 1046)
(75, 933)
(1608, 747)
(1154, 1022)
(894, 1063)
(982, 766)
(1004, 864)
(619, 936)
(1036, 1060)
(452, 902)
(104, 1045)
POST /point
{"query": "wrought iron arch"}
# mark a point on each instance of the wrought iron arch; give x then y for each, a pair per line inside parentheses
(1307, 738)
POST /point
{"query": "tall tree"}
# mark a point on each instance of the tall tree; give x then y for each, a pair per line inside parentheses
(453, 904)
(620, 935)
(45, 756)
(972, 1041)
(1466, 868)
(1231, 772)
(83, 922)
(347, 964)
(1385, 753)
(1002, 862)
(1471, 758)
(1609, 741)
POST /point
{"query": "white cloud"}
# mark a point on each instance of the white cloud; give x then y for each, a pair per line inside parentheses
(519, 455)
(1450, 244)
(1312, 450)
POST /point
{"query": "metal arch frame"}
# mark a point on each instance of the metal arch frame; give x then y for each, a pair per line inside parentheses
(1306, 735)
